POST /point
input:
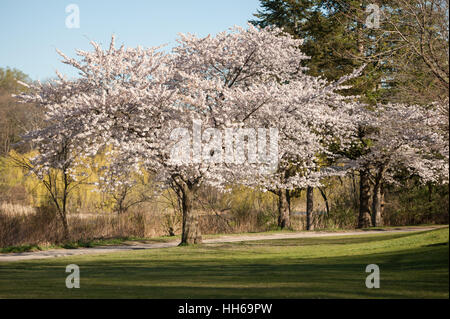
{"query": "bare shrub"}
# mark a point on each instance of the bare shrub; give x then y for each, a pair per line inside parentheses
(40, 227)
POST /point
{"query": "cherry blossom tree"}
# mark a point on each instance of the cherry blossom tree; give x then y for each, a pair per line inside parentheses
(57, 164)
(103, 108)
(313, 120)
(235, 70)
(201, 115)
(226, 82)
(133, 100)
(402, 138)
(145, 104)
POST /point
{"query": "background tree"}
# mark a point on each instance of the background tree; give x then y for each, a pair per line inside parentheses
(333, 39)
(241, 74)
(404, 138)
(406, 57)
(15, 118)
(336, 44)
(57, 164)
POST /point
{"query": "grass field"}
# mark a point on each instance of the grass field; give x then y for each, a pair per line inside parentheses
(412, 265)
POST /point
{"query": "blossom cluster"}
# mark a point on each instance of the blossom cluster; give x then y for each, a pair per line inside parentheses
(130, 101)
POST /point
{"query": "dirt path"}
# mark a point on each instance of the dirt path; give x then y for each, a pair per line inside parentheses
(222, 239)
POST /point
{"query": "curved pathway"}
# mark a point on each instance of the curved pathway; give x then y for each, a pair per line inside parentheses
(222, 239)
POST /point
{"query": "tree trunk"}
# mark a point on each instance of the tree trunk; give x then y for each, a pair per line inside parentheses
(288, 198)
(283, 209)
(355, 191)
(382, 205)
(364, 199)
(309, 207)
(65, 227)
(63, 218)
(430, 192)
(378, 203)
(64, 206)
(191, 233)
(325, 199)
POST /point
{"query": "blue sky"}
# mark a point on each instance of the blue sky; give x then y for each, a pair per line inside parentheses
(30, 31)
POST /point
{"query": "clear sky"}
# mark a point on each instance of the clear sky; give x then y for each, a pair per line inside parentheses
(31, 30)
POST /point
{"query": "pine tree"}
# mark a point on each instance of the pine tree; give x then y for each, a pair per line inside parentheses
(333, 39)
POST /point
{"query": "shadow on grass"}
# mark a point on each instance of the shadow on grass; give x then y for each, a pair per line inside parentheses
(412, 273)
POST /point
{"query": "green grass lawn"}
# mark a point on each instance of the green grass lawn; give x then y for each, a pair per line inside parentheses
(412, 265)
(165, 239)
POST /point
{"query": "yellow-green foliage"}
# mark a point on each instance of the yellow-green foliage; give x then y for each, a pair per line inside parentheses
(85, 196)
(244, 199)
(11, 175)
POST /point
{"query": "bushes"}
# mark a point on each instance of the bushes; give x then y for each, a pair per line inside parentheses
(244, 210)
(42, 227)
(39, 227)
(417, 204)
(239, 210)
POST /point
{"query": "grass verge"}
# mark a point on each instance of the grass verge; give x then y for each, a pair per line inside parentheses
(412, 265)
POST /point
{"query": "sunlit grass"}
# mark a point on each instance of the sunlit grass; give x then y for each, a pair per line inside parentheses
(413, 265)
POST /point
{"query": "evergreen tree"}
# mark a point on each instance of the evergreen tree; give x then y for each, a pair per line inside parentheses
(333, 39)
